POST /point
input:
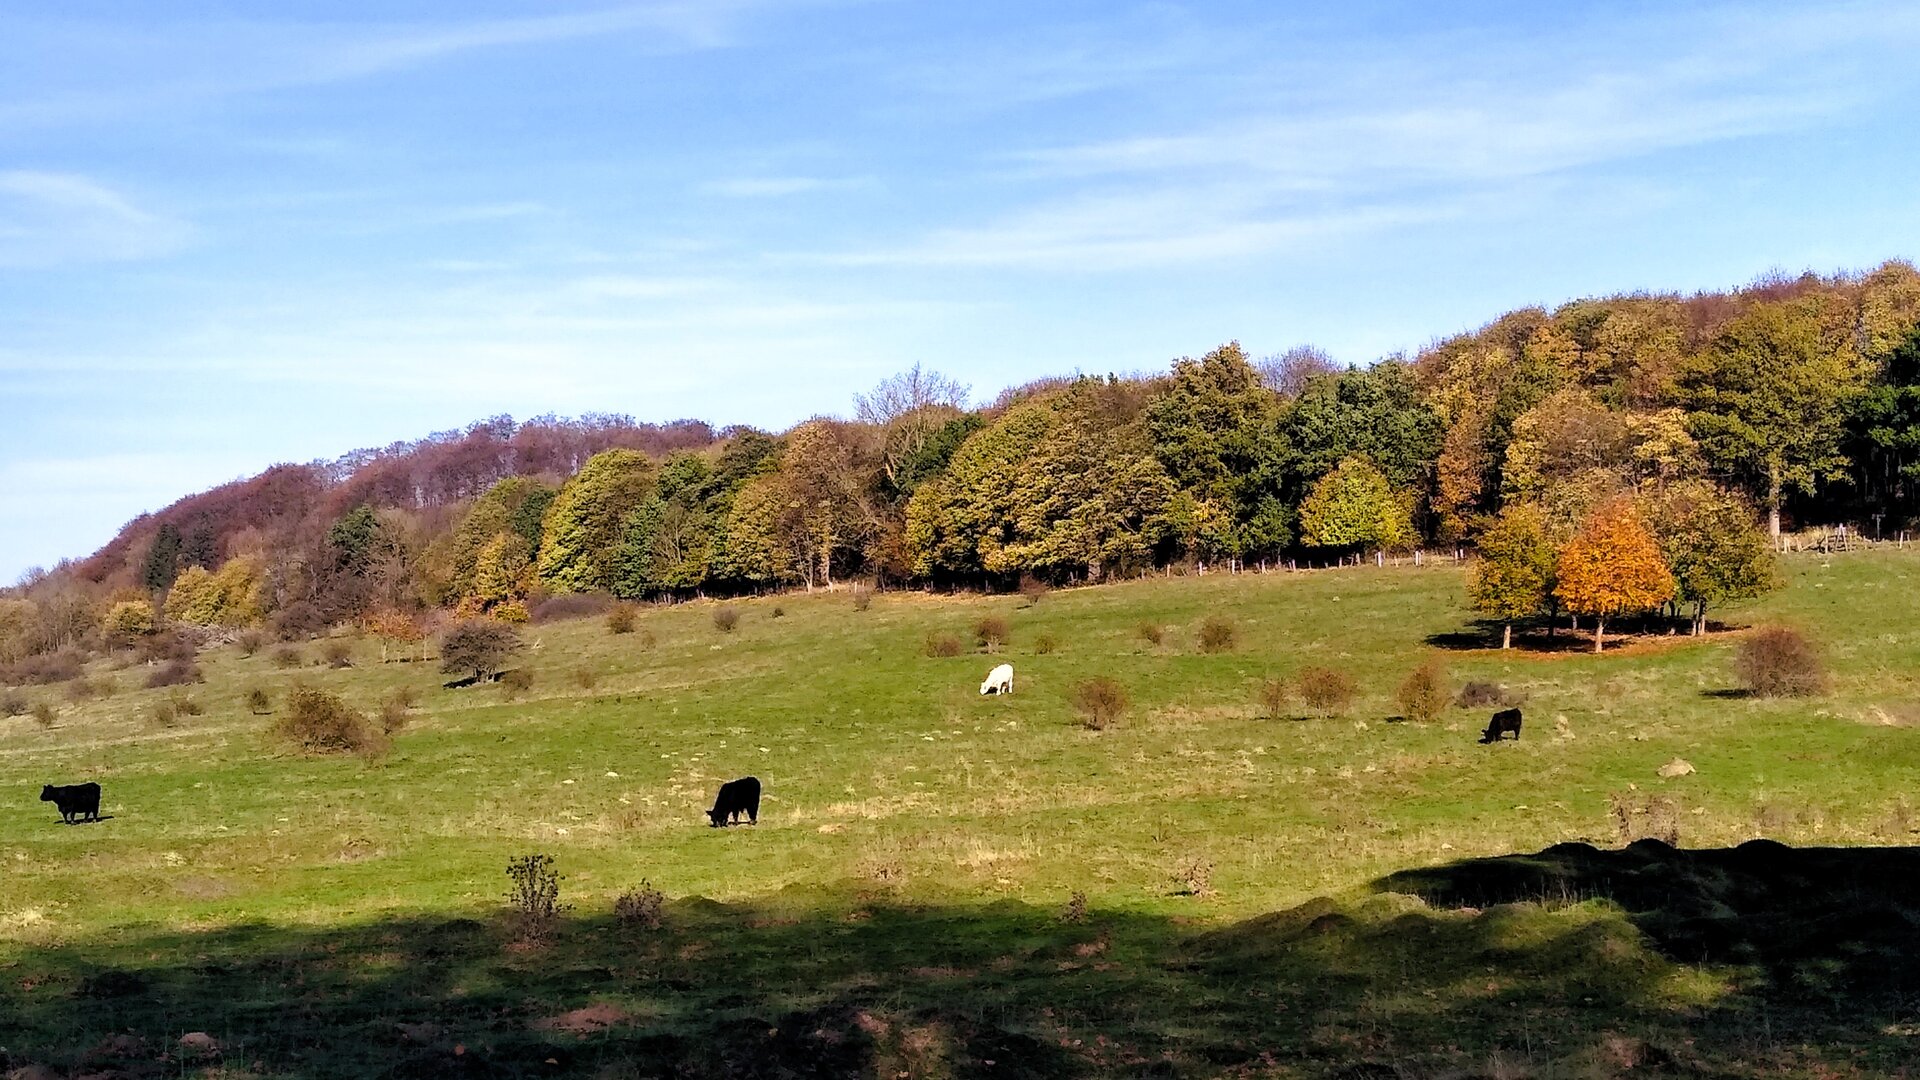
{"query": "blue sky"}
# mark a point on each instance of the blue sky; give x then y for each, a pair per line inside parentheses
(233, 234)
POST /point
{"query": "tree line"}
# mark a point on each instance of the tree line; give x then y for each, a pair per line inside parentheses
(1648, 431)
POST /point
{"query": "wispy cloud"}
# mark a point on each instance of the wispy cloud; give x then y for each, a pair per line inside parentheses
(50, 218)
(765, 187)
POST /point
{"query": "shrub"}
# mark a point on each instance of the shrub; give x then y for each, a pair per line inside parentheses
(572, 606)
(942, 644)
(13, 703)
(1423, 696)
(533, 893)
(1480, 694)
(249, 642)
(478, 646)
(258, 701)
(1033, 589)
(184, 705)
(1273, 696)
(393, 716)
(407, 696)
(1151, 633)
(1100, 701)
(1076, 909)
(80, 690)
(321, 723)
(175, 673)
(725, 618)
(298, 619)
(779, 612)
(337, 653)
(620, 619)
(1326, 691)
(645, 640)
(1218, 634)
(286, 656)
(1195, 877)
(162, 714)
(584, 678)
(1044, 645)
(43, 713)
(862, 598)
(513, 611)
(516, 682)
(1778, 661)
(45, 668)
(990, 632)
(643, 908)
(174, 644)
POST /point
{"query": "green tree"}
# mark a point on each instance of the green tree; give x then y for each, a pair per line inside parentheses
(162, 563)
(1378, 413)
(1355, 506)
(1769, 397)
(1715, 549)
(955, 518)
(501, 570)
(1216, 432)
(1884, 430)
(1514, 577)
(583, 526)
(351, 539)
(514, 505)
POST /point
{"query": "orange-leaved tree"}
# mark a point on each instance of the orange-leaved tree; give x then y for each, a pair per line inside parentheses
(1612, 567)
(394, 627)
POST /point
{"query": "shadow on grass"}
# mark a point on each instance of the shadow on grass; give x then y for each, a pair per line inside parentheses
(1571, 960)
(1728, 694)
(1482, 635)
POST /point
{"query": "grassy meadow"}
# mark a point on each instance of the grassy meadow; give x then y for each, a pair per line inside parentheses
(1291, 896)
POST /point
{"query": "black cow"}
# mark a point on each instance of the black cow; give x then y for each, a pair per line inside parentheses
(1503, 721)
(74, 800)
(736, 797)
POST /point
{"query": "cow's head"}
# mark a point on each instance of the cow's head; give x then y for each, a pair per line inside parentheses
(715, 818)
(46, 793)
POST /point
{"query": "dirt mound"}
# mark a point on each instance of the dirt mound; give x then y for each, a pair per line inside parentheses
(1814, 918)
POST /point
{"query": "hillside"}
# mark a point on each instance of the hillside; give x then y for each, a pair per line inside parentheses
(903, 904)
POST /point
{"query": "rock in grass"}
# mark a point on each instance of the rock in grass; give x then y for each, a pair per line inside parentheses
(1676, 767)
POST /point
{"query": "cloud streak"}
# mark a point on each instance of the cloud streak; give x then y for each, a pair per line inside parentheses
(52, 219)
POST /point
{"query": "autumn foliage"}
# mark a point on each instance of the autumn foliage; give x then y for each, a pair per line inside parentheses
(1611, 568)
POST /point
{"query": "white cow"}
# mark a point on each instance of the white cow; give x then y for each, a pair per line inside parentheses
(999, 680)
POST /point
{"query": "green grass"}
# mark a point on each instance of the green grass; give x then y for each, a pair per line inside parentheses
(917, 840)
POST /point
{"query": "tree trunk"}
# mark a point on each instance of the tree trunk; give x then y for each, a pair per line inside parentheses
(1599, 631)
(1773, 502)
(1699, 618)
(1506, 636)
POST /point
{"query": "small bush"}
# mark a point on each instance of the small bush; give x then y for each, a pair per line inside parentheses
(575, 606)
(1152, 633)
(1033, 589)
(337, 653)
(249, 642)
(621, 619)
(321, 723)
(585, 678)
(393, 716)
(1479, 694)
(643, 908)
(478, 646)
(990, 632)
(296, 620)
(862, 598)
(175, 673)
(1218, 634)
(1076, 909)
(407, 696)
(184, 705)
(645, 640)
(1327, 691)
(1195, 877)
(174, 644)
(533, 893)
(162, 714)
(513, 611)
(1044, 645)
(779, 612)
(725, 619)
(43, 713)
(1100, 701)
(1778, 661)
(942, 644)
(259, 702)
(83, 689)
(286, 656)
(1273, 696)
(1423, 696)
(44, 669)
(13, 703)
(516, 682)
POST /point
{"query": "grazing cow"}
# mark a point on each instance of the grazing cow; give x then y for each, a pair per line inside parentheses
(999, 680)
(1503, 721)
(736, 797)
(74, 800)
